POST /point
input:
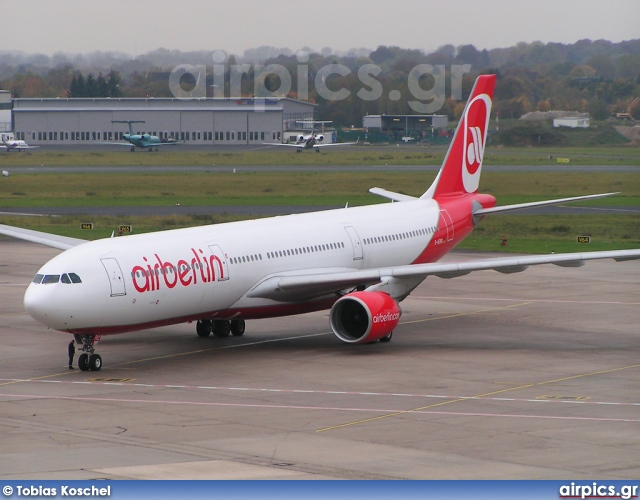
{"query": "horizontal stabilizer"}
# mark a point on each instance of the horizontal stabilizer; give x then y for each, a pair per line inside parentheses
(522, 206)
(391, 195)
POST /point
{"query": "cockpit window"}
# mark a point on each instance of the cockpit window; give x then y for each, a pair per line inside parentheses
(47, 279)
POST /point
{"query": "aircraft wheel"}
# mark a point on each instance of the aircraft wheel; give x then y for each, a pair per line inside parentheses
(237, 327)
(95, 362)
(83, 362)
(203, 328)
(132, 149)
(221, 328)
(387, 338)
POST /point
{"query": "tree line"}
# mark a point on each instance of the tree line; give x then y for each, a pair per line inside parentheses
(101, 86)
(598, 77)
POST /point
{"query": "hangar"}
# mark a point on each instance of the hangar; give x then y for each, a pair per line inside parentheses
(405, 126)
(225, 121)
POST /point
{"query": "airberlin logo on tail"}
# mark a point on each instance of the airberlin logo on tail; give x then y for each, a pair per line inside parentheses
(475, 124)
(157, 273)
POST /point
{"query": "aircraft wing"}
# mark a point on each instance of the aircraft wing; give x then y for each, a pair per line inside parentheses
(288, 144)
(51, 240)
(321, 282)
(335, 144)
(115, 143)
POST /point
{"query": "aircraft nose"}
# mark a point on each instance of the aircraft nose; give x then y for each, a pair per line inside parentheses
(42, 306)
(35, 304)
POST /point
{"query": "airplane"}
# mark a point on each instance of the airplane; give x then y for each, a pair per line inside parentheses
(310, 141)
(15, 145)
(359, 263)
(141, 140)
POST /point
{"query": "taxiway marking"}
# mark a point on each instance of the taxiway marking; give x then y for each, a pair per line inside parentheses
(458, 400)
(388, 412)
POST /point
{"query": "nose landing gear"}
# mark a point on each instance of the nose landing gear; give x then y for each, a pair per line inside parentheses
(89, 360)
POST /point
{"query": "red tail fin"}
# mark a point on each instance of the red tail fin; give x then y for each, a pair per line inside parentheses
(460, 172)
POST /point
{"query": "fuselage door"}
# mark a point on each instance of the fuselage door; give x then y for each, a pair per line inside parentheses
(116, 279)
(448, 222)
(355, 242)
(218, 263)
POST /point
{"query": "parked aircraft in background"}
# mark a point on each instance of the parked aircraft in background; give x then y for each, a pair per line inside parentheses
(310, 141)
(358, 262)
(144, 141)
(15, 145)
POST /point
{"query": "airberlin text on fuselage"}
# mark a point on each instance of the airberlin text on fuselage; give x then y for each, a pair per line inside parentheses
(151, 276)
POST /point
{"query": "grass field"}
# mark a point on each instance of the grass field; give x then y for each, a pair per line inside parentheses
(362, 155)
(525, 233)
(295, 188)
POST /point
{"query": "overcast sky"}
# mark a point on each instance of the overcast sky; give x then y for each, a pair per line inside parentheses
(138, 26)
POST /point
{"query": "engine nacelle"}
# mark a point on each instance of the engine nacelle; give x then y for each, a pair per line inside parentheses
(300, 138)
(146, 137)
(319, 138)
(361, 317)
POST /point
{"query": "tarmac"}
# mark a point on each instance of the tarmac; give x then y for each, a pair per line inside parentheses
(489, 376)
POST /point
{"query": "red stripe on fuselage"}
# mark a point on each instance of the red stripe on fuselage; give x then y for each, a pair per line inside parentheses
(245, 313)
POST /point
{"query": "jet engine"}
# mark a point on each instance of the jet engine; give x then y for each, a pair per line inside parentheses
(301, 138)
(319, 138)
(362, 317)
(146, 137)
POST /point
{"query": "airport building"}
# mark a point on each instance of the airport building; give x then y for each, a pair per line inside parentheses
(5, 112)
(396, 128)
(225, 121)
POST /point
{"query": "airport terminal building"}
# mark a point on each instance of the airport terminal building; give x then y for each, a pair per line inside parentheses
(224, 121)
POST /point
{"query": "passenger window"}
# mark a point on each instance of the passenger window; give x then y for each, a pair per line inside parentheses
(65, 279)
(38, 279)
(51, 278)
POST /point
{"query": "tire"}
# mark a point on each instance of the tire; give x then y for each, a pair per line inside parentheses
(221, 328)
(203, 328)
(83, 362)
(237, 327)
(95, 362)
(387, 338)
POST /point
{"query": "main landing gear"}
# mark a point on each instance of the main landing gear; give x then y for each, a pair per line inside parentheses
(88, 360)
(220, 328)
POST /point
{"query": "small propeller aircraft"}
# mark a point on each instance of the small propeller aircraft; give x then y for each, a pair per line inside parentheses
(142, 141)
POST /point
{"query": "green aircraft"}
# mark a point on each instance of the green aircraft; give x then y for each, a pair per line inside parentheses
(143, 141)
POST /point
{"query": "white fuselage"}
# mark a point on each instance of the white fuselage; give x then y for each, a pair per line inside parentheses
(14, 144)
(206, 272)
